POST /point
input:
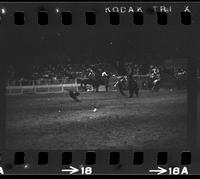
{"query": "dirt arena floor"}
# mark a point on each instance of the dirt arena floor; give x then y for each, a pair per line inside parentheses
(100, 121)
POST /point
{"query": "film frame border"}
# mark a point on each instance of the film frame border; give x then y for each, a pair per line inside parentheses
(150, 155)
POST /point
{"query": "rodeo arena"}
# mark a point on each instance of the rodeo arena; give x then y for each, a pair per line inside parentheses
(97, 106)
(97, 77)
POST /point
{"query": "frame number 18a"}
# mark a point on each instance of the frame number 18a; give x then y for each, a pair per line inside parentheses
(170, 171)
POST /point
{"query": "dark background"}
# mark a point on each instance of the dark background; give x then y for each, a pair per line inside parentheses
(19, 54)
(79, 43)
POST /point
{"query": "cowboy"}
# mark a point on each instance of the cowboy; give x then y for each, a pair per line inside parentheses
(105, 78)
(104, 74)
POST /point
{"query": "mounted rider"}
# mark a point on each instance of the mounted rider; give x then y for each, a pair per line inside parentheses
(155, 79)
(105, 78)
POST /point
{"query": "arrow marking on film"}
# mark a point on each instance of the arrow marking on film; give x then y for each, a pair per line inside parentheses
(159, 171)
(71, 170)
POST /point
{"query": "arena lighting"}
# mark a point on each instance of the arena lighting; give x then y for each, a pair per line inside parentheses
(3, 10)
(57, 10)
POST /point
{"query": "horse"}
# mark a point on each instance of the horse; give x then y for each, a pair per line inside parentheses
(95, 79)
(84, 82)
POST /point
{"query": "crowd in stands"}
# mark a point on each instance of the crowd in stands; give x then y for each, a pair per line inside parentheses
(72, 71)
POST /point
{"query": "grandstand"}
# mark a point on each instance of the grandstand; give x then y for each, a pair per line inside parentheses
(42, 79)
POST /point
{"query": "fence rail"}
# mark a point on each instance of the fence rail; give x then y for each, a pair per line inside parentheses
(40, 89)
(54, 86)
(40, 82)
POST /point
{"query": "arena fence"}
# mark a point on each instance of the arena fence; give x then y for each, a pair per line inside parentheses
(40, 89)
(45, 86)
(64, 85)
(40, 86)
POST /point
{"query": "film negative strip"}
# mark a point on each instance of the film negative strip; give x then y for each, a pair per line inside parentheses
(100, 88)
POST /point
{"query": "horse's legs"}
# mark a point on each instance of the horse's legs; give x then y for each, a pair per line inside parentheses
(85, 86)
(122, 91)
(154, 87)
(106, 88)
(137, 92)
(131, 91)
(94, 85)
(97, 88)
